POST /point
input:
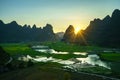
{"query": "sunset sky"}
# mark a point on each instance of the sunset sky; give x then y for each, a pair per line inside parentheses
(59, 13)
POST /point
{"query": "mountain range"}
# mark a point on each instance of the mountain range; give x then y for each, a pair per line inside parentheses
(13, 32)
(102, 32)
(105, 32)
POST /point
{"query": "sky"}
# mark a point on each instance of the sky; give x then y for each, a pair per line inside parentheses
(59, 13)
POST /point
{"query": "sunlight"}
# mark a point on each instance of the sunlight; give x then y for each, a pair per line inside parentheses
(77, 29)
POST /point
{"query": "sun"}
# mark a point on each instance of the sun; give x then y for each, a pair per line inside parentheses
(77, 29)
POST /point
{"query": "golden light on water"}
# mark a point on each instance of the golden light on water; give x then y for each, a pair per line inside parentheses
(77, 29)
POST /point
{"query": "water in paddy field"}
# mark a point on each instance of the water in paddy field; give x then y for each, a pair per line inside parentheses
(90, 61)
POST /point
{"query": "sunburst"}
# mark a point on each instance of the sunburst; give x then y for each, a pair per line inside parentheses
(77, 29)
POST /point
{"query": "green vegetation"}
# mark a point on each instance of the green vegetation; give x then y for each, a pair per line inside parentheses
(4, 57)
(110, 56)
(24, 49)
(61, 46)
(46, 71)
(97, 70)
(52, 69)
(18, 49)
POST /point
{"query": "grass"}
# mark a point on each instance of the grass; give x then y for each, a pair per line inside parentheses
(110, 56)
(46, 71)
(61, 46)
(97, 70)
(23, 49)
(18, 49)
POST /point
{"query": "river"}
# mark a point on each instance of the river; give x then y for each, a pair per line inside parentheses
(91, 60)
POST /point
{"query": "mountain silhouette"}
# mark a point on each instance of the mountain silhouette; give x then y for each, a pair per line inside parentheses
(105, 32)
(13, 32)
(102, 32)
(69, 35)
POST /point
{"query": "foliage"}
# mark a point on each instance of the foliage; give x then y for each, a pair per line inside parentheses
(4, 57)
(110, 56)
(18, 49)
(66, 47)
(97, 69)
(23, 49)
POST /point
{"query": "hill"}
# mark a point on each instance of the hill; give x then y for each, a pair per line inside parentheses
(13, 32)
(105, 32)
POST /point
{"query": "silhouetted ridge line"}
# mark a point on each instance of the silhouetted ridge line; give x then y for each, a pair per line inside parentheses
(13, 32)
(105, 32)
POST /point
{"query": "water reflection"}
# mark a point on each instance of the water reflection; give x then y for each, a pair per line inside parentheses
(75, 64)
(89, 61)
(50, 51)
(40, 47)
(94, 59)
(46, 49)
(45, 59)
(80, 53)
